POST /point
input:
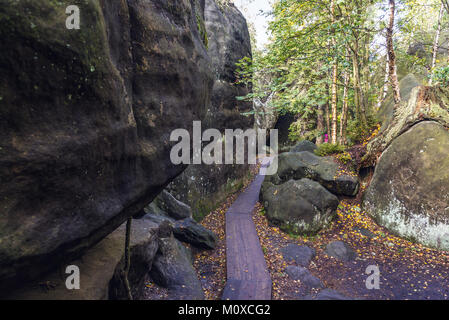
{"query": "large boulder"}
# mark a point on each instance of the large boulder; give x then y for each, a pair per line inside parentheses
(409, 192)
(299, 206)
(86, 117)
(100, 268)
(204, 187)
(298, 165)
(172, 269)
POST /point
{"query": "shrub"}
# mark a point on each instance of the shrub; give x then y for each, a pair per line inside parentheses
(356, 132)
(329, 148)
(441, 76)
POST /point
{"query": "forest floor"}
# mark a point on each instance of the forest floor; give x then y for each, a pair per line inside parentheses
(407, 270)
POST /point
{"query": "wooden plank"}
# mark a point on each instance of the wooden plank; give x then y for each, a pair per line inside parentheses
(247, 274)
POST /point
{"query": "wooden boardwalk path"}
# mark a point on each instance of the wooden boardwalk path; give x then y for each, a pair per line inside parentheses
(247, 274)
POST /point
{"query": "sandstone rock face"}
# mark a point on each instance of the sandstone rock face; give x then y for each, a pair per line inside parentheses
(406, 85)
(298, 206)
(419, 103)
(85, 119)
(228, 42)
(203, 187)
(409, 192)
(298, 165)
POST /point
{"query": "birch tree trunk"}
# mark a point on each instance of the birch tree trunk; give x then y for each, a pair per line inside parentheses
(320, 124)
(344, 112)
(436, 42)
(392, 56)
(334, 79)
(384, 91)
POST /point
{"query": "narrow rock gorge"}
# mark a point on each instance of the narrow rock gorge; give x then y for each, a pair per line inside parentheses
(87, 114)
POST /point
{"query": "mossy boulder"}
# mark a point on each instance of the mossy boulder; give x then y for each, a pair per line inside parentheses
(409, 192)
(298, 206)
(298, 165)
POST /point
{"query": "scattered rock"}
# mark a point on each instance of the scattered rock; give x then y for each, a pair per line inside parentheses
(304, 145)
(189, 231)
(172, 269)
(329, 294)
(341, 251)
(365, 232)
(299, 206)
(304, 275)
(172, 207)
(298, 165)
(302, 255)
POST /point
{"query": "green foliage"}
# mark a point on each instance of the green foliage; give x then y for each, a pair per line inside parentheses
(326, 149)
(344, 157)
(441, 76)
(356, 132)
(303, 129)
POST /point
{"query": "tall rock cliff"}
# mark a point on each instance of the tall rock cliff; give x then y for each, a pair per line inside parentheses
(205, 186)
(85, 119)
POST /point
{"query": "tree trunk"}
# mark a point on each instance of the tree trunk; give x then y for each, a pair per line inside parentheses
(384, 92)
(392, 56)
(436, 42)
(334, 79)
(446, 5)
(320, 124)
(344, 111)
(125, 271)
(358, 96)
(327, 118)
